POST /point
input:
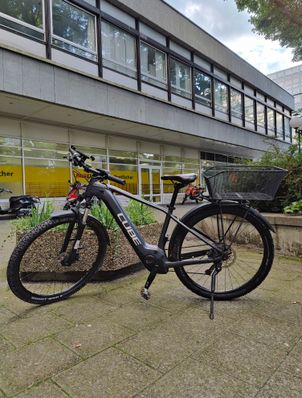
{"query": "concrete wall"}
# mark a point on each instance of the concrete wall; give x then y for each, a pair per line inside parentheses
(44, 81)
(288, 236)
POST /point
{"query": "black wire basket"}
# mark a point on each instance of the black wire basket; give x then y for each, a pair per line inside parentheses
(243, 182)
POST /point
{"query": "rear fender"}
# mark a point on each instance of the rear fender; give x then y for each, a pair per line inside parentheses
(197, 209)
(262, 218)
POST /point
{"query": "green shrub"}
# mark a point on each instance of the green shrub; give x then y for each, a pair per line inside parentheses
(101, 213)
(139, 213)
(38, 215)
(290, 189)
(294, 208)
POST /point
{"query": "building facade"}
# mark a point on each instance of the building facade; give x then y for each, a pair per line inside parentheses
(132, 82)
(291, 80)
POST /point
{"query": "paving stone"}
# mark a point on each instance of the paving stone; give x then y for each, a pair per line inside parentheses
(292, 264)
(282, 385)
(242, 358)
(5, 346)
(166, 292)
(291, 294)
(139, 315)
(5, 316)
(120, 296)
(192, 379)
(109, 374)
(282, 271)
(172, 296)
(91, 338)
(33, 363)
(236, 309)
(179, 353)
(293, 362)
(281, 310)
(81, 308)
(262, 328)
(19, 307)
(33, 328)
(43, 390)
(169, 343)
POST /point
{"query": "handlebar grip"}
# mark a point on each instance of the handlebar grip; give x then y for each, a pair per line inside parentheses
(116, 179)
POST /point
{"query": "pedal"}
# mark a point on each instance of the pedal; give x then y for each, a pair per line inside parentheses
(145, 293)
(145, 290)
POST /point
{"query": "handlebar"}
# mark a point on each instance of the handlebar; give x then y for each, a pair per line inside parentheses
(78, 159)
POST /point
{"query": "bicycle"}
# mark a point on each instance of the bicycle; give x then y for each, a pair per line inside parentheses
(194, 193)
(220, 250)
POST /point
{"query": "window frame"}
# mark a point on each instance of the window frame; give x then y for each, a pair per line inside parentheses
(71, 43)
(162, 83)
(178, 90)
(198, 98)
(219, 107)
(235, 114)
(26, 24)
(133, 70)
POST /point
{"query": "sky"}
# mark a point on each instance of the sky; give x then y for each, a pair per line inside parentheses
(222, 20)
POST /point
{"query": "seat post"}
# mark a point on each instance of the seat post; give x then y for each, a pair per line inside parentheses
(171, 207)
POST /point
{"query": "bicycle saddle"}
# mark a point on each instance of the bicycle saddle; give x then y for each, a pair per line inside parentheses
(184, 179)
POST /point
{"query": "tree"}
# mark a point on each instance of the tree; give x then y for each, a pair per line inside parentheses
(277, 20)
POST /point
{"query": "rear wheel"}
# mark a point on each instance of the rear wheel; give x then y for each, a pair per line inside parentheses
(40, 270)
(248, 244)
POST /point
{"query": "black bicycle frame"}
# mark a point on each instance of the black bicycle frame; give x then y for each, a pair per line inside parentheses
(150, 255)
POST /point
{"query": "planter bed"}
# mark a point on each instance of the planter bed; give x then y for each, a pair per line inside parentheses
(120, 258)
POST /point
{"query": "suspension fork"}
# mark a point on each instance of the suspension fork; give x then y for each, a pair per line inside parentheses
(68, 259)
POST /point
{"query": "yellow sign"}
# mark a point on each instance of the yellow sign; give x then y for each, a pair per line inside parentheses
(10, 174)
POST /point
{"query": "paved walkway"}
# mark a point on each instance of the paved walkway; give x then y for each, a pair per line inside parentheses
(107, 342)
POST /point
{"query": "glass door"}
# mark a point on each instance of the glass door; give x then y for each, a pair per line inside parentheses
(150, 183)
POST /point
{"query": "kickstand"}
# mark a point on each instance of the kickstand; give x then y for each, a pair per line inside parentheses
(217, 269)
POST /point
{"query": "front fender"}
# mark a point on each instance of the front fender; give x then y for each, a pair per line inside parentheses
(61, 213)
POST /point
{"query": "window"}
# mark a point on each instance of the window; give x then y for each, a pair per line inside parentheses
(260, 117)
(221, 97)
(279, 125)
(153, 65)
(123, 164)
(23, 16)
(270, 122)
(236, 104)
(181, 81)
(249, 105)
(203, 88)
(73, 29)
(46, 173)
(287, 129)
(10, 166)
(118, 49)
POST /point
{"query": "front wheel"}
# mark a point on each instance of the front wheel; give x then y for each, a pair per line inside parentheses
(41, 270)
(248, 246)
